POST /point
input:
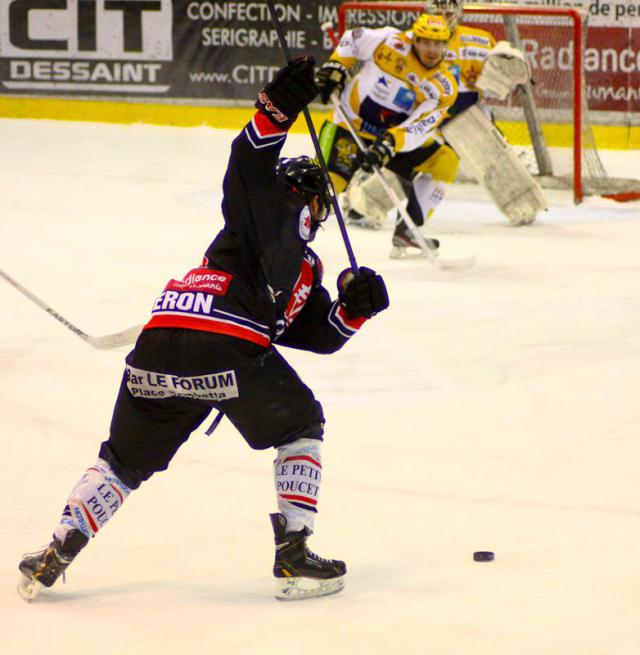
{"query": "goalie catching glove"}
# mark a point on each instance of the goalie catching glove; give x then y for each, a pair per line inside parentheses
(288, 93)
(331, 77)
(379, 153)
(505, 68)
(362, 294)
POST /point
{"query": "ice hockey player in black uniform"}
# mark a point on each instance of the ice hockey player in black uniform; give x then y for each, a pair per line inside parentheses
(210, 344)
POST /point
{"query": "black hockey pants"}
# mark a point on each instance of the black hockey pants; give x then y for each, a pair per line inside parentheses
(273, 406)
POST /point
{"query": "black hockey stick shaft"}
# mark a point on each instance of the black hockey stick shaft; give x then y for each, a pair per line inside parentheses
(316, 145)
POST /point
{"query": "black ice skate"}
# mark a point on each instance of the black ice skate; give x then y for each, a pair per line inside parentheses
(403, 239)
(300, 573)
(43, 568)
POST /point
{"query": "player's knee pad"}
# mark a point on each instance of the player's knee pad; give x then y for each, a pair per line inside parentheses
(442, 165)
(298, 473)
(93, 501)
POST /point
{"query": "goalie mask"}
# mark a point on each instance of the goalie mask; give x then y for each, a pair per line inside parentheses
(301, 175)
(450, 10)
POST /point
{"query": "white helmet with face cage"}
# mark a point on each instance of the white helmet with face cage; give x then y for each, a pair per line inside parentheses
(450, 10)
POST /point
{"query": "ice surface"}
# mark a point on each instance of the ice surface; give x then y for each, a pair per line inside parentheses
(497, 409)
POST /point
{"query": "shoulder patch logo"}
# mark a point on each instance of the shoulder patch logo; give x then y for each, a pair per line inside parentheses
(304, 224)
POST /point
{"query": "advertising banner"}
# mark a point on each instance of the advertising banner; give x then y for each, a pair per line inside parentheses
(211, 50)
(611, 55)
(86, 46)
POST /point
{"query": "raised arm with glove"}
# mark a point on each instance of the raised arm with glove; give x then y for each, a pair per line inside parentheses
(364, 294)
(290, 91)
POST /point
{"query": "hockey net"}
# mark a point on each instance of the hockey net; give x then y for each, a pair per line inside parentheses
(547, 121)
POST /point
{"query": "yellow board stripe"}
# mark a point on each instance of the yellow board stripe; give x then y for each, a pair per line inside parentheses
(557, 135)
(136, 112)
(615, 137)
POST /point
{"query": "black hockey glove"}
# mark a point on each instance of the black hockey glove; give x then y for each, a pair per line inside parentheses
(289, 92)
(331, 76)
(363, 294)
(379, 153)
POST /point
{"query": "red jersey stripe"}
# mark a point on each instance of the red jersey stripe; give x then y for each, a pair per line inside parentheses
(264, 127)
(207, 325)
(353, 323)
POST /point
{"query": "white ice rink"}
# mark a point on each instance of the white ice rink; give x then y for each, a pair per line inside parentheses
(497, 409)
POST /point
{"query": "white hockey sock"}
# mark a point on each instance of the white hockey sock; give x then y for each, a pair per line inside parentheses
(298, 473)
(429, 193)
(92, 502)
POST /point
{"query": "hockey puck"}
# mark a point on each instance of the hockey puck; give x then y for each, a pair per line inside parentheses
(484, 556)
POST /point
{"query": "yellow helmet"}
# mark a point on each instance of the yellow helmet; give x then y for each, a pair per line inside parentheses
(431, 27)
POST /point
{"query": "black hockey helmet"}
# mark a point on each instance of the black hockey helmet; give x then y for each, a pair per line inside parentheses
(302, 175)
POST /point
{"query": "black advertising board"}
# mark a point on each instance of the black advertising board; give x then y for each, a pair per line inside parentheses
(163, 48)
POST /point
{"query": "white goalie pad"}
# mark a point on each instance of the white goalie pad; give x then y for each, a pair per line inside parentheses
(505, 68)
(366, 195)
(485, 153)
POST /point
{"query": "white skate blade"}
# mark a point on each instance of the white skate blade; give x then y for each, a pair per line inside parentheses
(461, 264)
(303, 588)
(399, 252)
(28, 588)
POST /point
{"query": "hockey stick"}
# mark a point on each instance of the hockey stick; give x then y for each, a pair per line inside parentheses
(444, 264)
(327, 28)
(102, 343)
(316, 145)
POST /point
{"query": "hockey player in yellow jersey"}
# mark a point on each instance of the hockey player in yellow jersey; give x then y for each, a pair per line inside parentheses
(396, 100)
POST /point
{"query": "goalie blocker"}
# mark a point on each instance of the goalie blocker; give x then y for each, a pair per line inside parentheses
(495, 165)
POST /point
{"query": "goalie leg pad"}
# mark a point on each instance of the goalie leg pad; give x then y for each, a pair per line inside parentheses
(495, 165)
(92, 502)
(298, 474)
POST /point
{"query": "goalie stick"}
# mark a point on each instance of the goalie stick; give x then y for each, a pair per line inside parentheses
(106, 342)
(460, 264)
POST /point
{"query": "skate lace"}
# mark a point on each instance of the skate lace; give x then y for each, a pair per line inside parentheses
(317, 558)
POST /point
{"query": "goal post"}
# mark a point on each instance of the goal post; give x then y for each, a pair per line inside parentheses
(547, 119)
